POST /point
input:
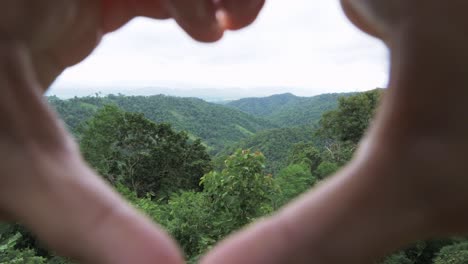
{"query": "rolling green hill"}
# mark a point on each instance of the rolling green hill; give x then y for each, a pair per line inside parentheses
(215, 124)
(275, 144)
(286, 110)
(265, 106)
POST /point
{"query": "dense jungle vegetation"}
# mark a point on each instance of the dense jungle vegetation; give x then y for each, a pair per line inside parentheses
(204, 170)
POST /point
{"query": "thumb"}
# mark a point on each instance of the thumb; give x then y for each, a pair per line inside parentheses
(360, 18)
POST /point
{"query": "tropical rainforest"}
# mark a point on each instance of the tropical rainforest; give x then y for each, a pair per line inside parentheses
(203, 170)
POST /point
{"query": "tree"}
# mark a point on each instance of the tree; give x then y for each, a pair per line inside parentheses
(453, 254)
(241, 192)
(9, 253)
(349, 122)
(230, 199)
(326, 169)
(145, 156)
(305, 153)
(275, 144)
(342, 129)
(192, 223)
(292, 181)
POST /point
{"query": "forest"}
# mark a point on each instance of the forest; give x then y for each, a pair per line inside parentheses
(203, 170)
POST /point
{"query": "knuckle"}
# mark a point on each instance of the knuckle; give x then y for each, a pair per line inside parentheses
(12, 55)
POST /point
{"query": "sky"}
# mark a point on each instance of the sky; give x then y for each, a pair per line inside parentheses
(305, 47)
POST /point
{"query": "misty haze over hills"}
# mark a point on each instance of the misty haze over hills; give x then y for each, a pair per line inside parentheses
(210, 94)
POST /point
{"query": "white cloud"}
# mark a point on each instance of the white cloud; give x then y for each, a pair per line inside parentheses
(302, 46)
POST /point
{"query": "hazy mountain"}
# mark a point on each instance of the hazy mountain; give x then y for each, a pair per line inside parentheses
(287, 109)
(210, 94)
(217, 125)
(265, 106)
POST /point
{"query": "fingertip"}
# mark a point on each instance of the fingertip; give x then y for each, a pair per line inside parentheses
(125, 236)
(265, 242)
(239, 14)
(209, 34)
(151, 8)
(197, 18)
(92, 223)
(358, 19)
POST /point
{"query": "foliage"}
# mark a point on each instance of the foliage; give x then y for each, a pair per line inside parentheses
(305, 153)
(265, 106)
(423, 252)
(9, 253)
(215, 124)
(307, 111)
(292, 181)
(349, 122)
(275, 144)
(241, 189)
(193, 223)
(286, 110)
(230, 199)
(76, 110)
(145, 156)
(340, 130)
(326, 169)
(158, 170)
(453, 254)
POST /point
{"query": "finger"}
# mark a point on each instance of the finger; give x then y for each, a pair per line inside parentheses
(265, 243)
(80, 217)
(152, 8)
(7, 108)
(358, 18)
(240, 13)
(197, 18)
(67, 205)
(24, 110)
(116, 13)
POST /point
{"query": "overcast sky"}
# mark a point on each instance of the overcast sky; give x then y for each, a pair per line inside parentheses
(306, 47)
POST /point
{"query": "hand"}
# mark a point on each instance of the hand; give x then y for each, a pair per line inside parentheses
(46, 186)
(408, 180)
(44, 182)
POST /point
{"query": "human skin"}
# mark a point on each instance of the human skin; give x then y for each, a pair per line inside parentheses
(406, 182)
(409, 178)
(44, 183)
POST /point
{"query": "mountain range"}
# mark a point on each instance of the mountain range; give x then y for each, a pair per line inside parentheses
(218, 125)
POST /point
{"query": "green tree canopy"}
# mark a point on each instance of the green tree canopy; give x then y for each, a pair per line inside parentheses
(453, 254)
(241, 189)
(291, 182)
(145, 156)
(350, 121)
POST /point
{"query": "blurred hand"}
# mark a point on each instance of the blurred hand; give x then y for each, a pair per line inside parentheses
(46, 186)
(44, 183)
(408, 180)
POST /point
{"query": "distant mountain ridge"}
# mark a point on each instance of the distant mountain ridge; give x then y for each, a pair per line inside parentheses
(215, 124)
(218, 125)
(285, 110)
(265, 106)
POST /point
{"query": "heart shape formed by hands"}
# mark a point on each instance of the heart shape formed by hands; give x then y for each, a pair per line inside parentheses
(93, 224)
